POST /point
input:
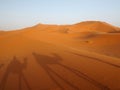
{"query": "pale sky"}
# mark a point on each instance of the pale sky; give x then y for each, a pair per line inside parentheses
(16, 14)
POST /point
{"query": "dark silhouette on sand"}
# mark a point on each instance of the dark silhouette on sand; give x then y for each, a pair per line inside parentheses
(1, 66)
(97, 59)
(45, 61)
(15, 67)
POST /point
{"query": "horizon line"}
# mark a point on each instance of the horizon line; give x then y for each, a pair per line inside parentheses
(28, 26)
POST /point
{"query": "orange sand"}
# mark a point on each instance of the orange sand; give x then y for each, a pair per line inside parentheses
(83, 56)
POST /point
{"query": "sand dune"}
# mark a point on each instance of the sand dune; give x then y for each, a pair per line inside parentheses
(93, 26)
(104, 43)
(83, 56)
(1, 32)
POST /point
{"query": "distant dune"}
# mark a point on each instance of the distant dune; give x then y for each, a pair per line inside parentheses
(93, 26)
(1, 32)
(82, 56)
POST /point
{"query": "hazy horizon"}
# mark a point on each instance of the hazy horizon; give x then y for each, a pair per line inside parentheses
(16, 14)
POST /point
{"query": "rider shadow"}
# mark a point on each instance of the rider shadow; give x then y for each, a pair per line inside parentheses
(97, 59)
(45, 61)
(15, 67)
(1, 66)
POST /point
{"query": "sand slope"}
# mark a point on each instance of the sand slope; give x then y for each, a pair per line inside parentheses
(93, 26)
(46, 57)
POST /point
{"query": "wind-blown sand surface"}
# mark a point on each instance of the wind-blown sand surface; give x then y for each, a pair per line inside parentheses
(83, 56)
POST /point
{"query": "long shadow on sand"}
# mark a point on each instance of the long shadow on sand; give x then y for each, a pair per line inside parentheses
(99, 60)
(15, 67)
(45, 61)
(1, 66)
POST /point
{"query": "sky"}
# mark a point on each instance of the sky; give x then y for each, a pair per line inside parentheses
(16, 14)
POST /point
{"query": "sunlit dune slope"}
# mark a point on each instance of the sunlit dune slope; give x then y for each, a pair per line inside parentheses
(1, 32)
(89, 35)
(104, 43)
(97, 26)
(90, 39)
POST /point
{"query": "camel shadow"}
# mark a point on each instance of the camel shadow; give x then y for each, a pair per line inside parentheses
(15, 67)
(44, 61)
(97, 59)
(1, 66)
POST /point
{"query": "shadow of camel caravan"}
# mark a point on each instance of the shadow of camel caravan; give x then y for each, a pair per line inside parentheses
(44, 61)
(1, 66)
(15, 67)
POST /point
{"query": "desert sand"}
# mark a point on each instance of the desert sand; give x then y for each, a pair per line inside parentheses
(82, 56)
